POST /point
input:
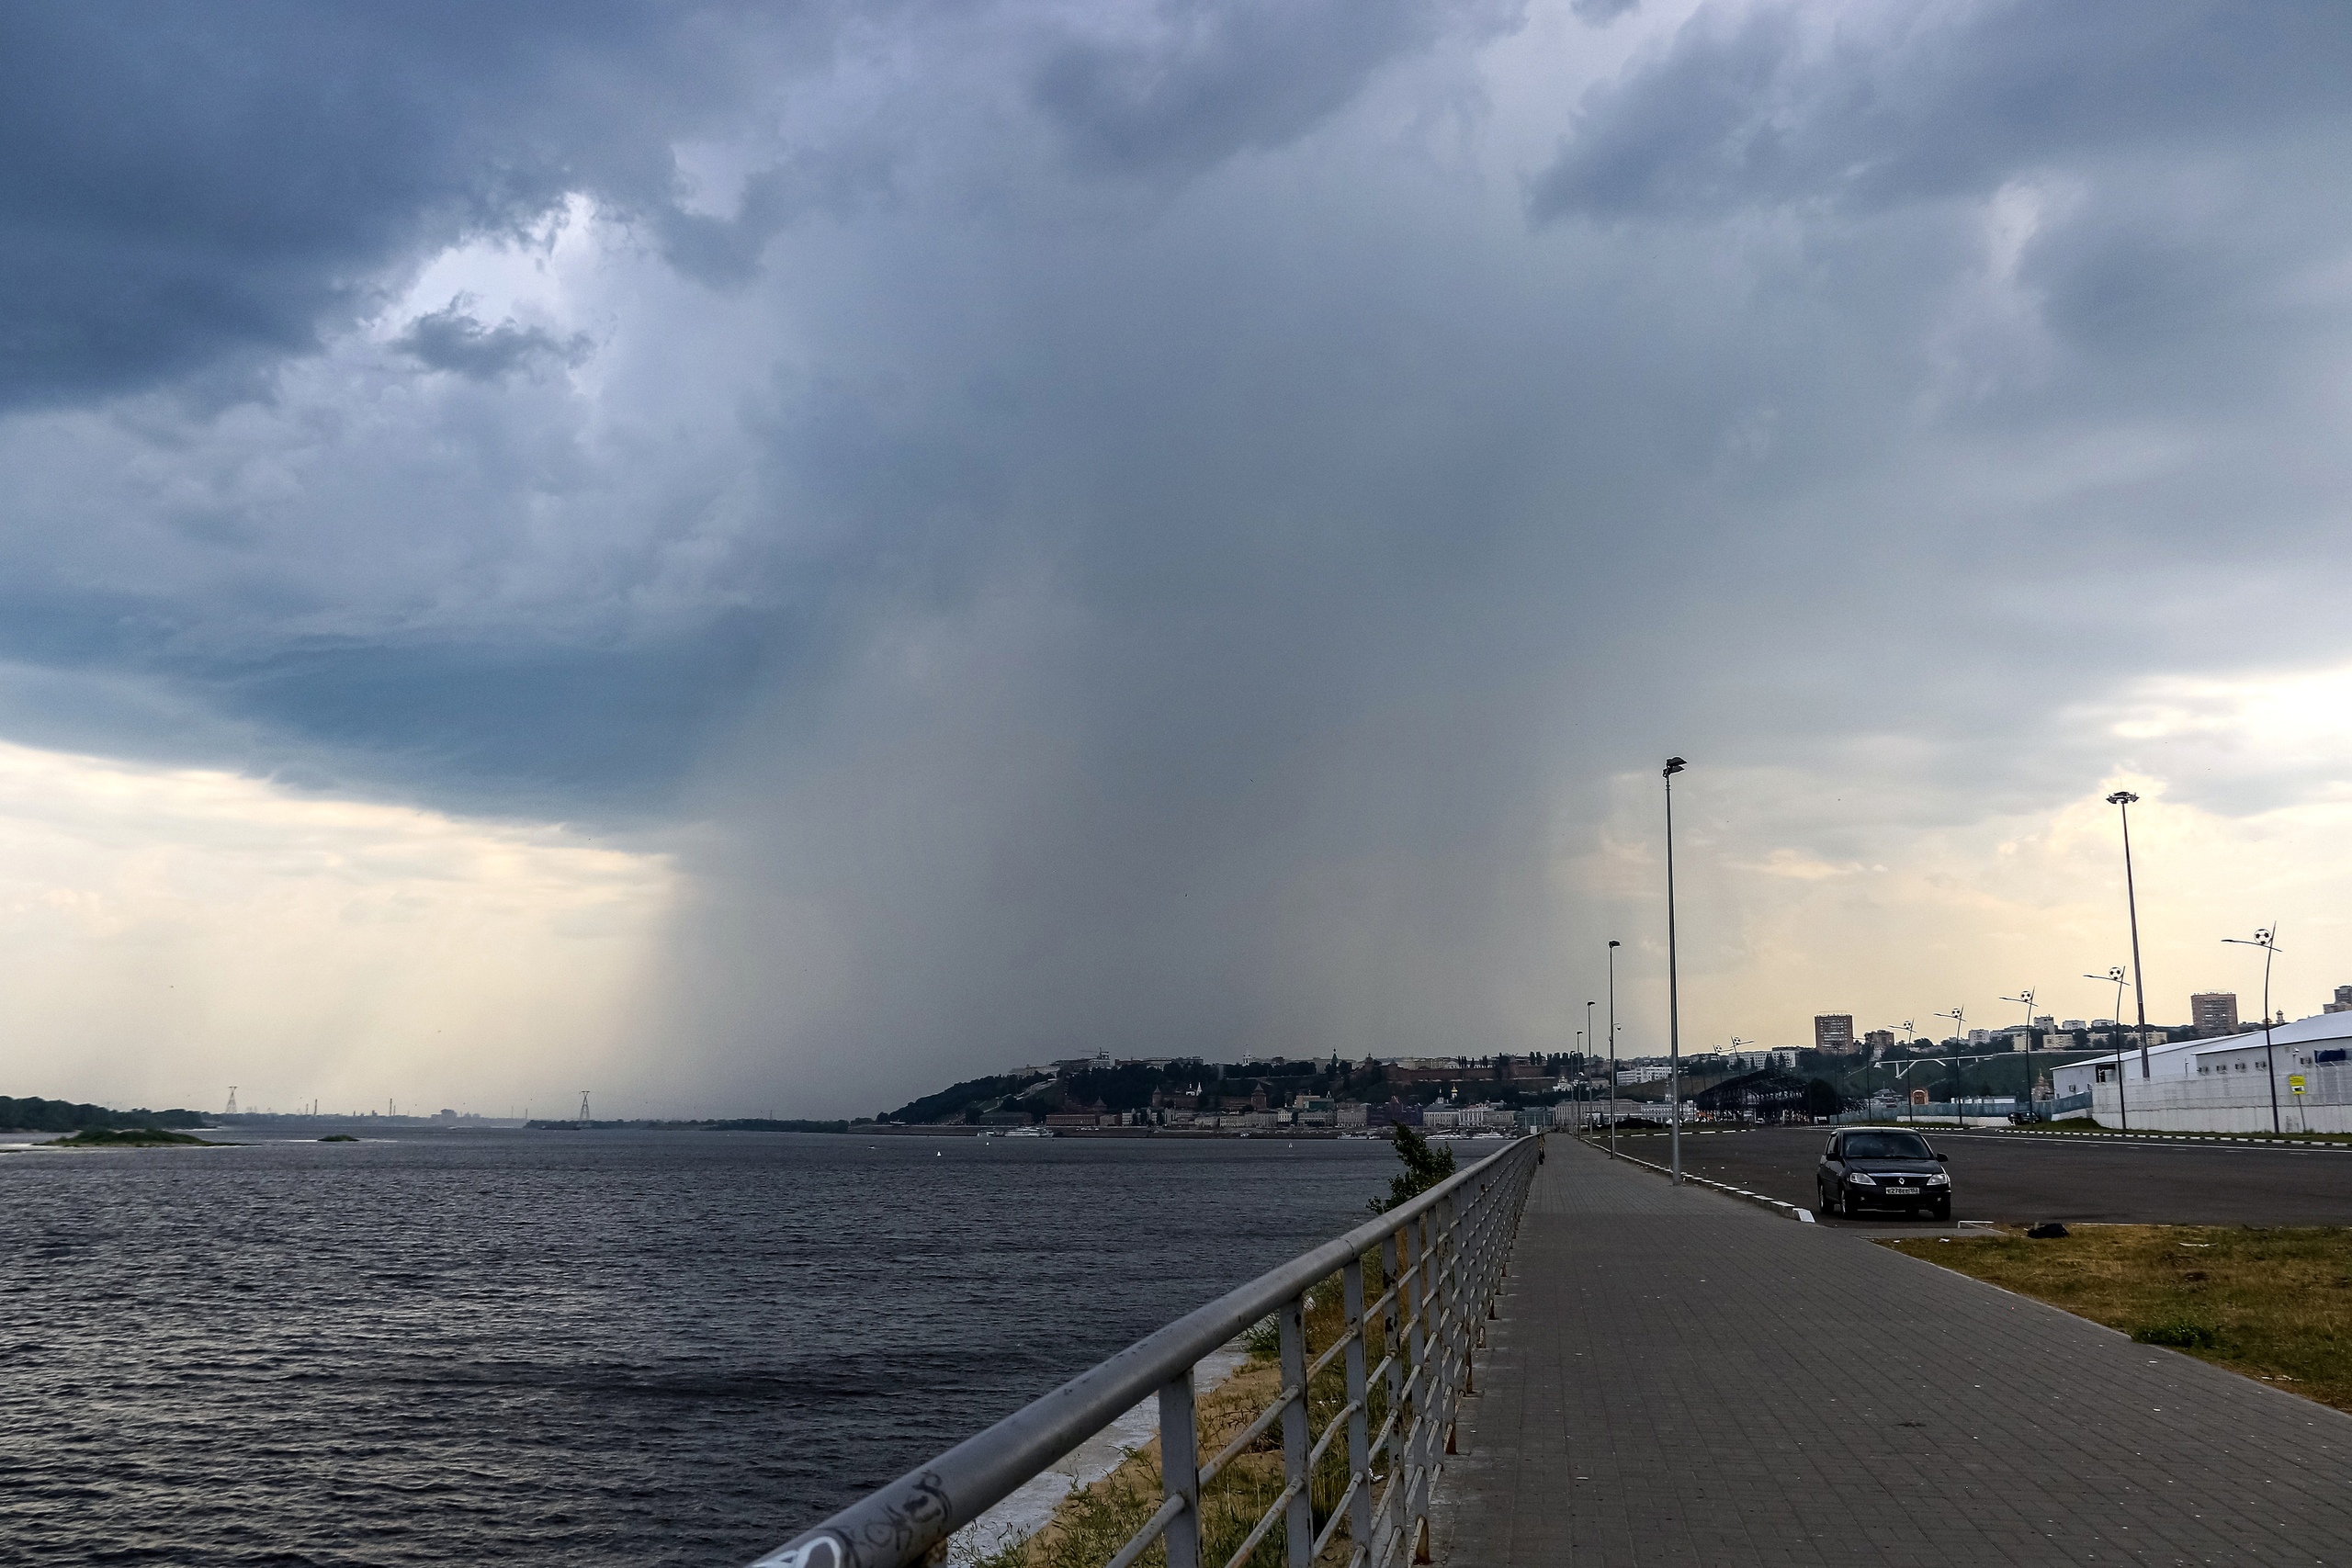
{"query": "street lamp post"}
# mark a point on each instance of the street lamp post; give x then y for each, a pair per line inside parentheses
(2115, 1027)
(2266, 938)
(1589, 1038)
(2026, 996)
(1574, 1124)
(1673, 995)
(1613, 1050)
(2123, 800)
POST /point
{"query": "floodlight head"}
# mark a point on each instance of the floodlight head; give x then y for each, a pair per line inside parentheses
(2123, 797)
(1614, 944)
(1674, 765)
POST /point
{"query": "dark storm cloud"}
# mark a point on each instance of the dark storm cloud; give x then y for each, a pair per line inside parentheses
(1774, 104)
(183, 184)
(450, 338)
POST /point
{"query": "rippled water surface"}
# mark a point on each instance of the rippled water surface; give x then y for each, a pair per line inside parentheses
(592, 1348)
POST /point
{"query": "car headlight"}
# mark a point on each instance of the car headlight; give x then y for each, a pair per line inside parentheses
(1939, 1182)
(1861, 1179)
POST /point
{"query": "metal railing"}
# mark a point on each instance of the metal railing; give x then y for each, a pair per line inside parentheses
(1436, 1263)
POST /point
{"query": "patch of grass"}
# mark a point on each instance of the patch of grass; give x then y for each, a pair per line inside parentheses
(2271, 1304)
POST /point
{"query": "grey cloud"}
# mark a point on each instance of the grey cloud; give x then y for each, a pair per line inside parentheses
(1207, 80)
(451, 339)
(1601, 13)
(184, 186)
(725, 252)
(1773, 106)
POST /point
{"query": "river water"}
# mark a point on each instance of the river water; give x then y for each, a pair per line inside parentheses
(587, 1348)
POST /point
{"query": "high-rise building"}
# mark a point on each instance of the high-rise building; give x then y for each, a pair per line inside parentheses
(1879, 1042)
(1833, 1033)
(2343, 1002)
(2214, 1012)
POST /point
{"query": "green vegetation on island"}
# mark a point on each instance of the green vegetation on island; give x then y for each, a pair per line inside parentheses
(338, 1138)
(132, 1138)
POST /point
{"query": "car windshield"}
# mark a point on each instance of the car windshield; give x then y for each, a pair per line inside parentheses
(1887, 1145)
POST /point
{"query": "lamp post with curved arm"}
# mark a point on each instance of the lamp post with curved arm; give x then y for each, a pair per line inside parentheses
(2266, 938)
(2115, 1028)
(2026, 996)
(1910, 1043)
(1959, 1016)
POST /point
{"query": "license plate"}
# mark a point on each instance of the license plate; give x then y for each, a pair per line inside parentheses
(1903, 1192)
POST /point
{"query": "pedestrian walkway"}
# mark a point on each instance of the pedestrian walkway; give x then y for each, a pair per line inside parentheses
(1675, 1377)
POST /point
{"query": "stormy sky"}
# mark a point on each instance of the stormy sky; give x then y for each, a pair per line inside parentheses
(757, 559)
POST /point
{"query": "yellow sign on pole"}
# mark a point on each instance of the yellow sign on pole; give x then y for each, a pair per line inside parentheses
(2295, 1082)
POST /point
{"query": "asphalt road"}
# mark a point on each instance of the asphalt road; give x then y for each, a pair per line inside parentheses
(2025, 1178)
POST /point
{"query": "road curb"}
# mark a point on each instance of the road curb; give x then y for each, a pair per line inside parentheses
(1804, 1216)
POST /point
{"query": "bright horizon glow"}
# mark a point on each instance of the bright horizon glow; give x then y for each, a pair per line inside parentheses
(173, 932)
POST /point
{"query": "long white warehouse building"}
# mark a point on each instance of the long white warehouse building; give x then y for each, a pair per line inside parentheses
(2225, 1084)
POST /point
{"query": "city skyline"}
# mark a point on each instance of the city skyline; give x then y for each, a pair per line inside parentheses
(766, 559)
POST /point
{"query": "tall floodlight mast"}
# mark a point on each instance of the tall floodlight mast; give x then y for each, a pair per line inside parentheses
(2123, 800)
(1612, 1048)
(1673, 993)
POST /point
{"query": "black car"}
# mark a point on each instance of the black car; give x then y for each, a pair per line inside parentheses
(1880, 1168)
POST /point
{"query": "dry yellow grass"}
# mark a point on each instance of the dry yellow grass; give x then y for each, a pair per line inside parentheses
(2274, 1305)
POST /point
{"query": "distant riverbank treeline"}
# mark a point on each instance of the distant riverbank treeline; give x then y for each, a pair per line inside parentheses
(34, 1114)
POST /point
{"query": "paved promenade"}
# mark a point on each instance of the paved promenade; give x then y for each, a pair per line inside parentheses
(1678, 1377)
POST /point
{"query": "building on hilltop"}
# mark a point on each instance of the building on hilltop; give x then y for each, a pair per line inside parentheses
(2343, 1002)
(2214, 1012)
(1879, 1042)
(1833, 1033)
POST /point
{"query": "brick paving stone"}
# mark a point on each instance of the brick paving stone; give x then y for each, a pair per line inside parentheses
(1676, 1377)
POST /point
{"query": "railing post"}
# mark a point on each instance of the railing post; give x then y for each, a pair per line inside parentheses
(1298, 1519)
(1359, 1396)
(1389, 1524)
(1180, 1468)
(1428, 1366)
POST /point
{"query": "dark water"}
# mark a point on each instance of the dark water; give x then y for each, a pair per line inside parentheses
(598, 1348)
